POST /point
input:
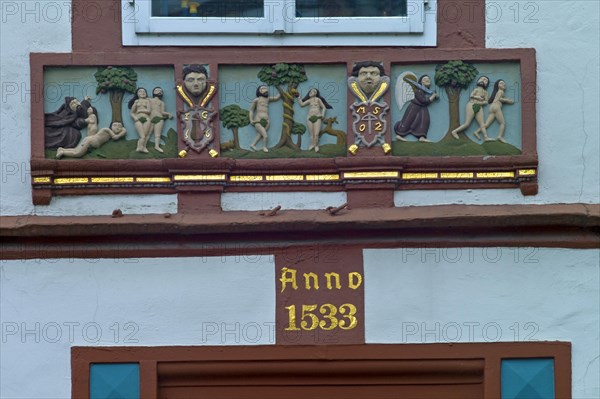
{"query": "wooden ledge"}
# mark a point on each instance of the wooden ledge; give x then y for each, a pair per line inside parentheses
(230, 233)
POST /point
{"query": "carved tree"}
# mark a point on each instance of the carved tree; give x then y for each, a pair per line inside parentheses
(233, 117)
(298, 129)
(454, 76)
(116, 81)
(290, 76)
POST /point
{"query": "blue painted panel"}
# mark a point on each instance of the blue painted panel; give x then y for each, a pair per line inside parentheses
(115, 381)
(527, 379)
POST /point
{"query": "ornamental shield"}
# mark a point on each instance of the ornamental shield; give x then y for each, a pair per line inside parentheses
(369, 123)
(197, 128)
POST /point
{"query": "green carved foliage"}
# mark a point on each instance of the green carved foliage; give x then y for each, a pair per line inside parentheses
(455, 74)
(116, 79)
(281, 74)
(232, 116)
(298, 128)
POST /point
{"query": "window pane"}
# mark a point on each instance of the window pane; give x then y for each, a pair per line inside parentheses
(350, 8)
(208, 8)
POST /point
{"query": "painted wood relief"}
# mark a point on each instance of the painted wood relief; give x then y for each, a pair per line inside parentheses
(107, 113)
(447, 110)
(410, 121)
(283, 111)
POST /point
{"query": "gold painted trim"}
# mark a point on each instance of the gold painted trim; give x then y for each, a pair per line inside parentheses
(527, 172)
(198, 177)
(245, 178)
(112, 179)
(153, 179)
(465, 175)
(495, 175)
(285, 178)
(184, 96)
(357, 92)
(382, 88)
(208, 96)
(322, 177)
(369, 175)
(41, 180)
(416, 176)
(71, 180)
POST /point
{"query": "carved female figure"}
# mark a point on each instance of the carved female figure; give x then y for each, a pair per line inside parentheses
(141, 108)
(478, 98)
(92, 121)
(496, 100)
(318, 106)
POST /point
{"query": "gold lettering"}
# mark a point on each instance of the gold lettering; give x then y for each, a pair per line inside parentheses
(361, 109)
(376, 111)
(315, 279)
(337, 280)
(351, 283)
(333, 321)
(362, 127)
(314, 320)
(292, 318)
(204, 114)
(352, 321)
(288, 276)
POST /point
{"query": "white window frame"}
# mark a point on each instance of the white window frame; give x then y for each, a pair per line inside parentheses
(279, 26)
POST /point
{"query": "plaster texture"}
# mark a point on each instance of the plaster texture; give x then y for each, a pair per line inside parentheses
(47, 306)
(425, 295)
(566, 36)
(411, 296)
(567, 123)
(262, 201)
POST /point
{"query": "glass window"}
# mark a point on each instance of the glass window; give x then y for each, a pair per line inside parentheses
(279, 22)
(350, 8)
(208, 9)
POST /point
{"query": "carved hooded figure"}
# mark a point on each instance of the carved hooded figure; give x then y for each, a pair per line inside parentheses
(62, 128)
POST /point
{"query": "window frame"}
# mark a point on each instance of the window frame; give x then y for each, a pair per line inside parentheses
(140, 28)
(278, 364)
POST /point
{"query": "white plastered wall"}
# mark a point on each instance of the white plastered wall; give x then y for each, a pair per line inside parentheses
(566, 37)
(567, 110)
(151, 293)
(411, 296)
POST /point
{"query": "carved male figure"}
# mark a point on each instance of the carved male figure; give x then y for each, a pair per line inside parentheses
(259, 116)
(478, 98)
(93, 140)
(158, 115)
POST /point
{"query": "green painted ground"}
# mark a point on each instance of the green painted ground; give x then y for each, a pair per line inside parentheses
(449, 146)
(325, 151)
(125, 149)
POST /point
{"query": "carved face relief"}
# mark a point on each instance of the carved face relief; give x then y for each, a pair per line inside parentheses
(502, 85)
(158, 92)
(312, 92)
(369, 78)
(483, 82)
(195, 83)
(74, 104)
(426, 81)
(141, 93)
(116, 127)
